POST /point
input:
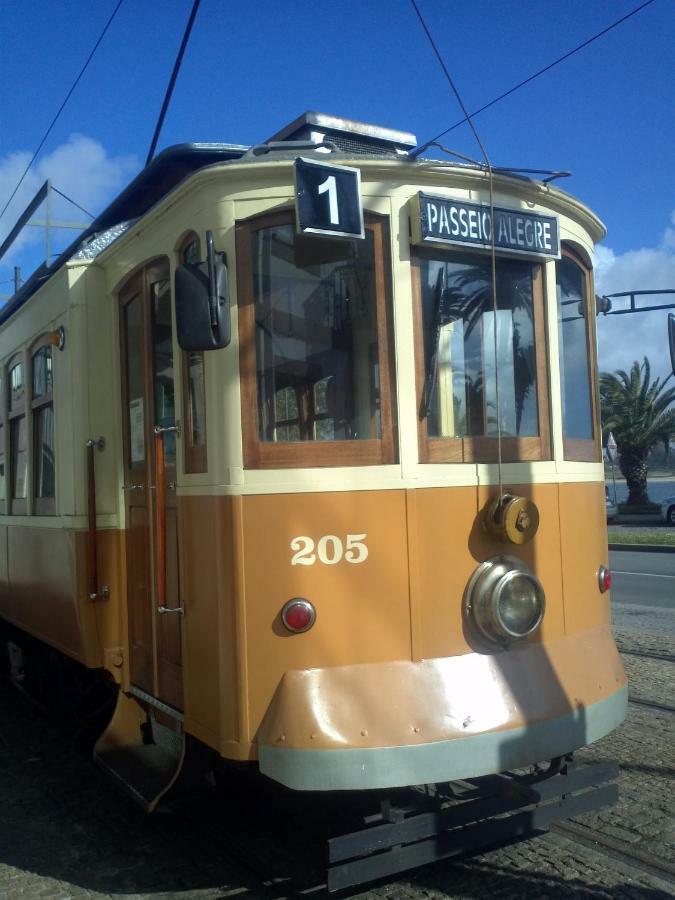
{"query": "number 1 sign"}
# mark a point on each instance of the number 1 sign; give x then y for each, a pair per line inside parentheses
(328, 199)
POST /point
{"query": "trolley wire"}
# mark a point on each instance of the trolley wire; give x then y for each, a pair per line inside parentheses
(70, 200)
(467, 117)
(60, 109)
(493, 250)
(172, 81)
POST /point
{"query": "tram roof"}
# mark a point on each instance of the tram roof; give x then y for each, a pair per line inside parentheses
(173, 165)
(157, 179)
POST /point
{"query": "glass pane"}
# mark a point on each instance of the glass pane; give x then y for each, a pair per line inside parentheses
(42, 372)
(196, 399)
(19, 456)
(44, 452)
(459, 347)
(3, 489)
(16, 385)
(316, 337)
(162, 353)
(575, 375)
(133, 318)
(191, 252)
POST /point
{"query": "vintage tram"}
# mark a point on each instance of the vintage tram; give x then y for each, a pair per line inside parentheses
(279, 461)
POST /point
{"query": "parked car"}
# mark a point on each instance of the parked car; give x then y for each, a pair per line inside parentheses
(668, 510)
(610, 506)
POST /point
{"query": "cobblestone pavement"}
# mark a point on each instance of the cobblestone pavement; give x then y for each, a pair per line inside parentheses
(65, 833)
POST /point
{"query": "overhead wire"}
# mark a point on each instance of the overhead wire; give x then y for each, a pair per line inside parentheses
(61, 108)
(422, 147)
(493, 249)
(70, 200)
(172, 80)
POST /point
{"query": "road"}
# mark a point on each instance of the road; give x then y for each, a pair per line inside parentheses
(643, 590)
(642, 578)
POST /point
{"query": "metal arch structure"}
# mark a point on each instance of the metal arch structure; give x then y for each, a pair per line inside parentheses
(604, 305)
(634, 308)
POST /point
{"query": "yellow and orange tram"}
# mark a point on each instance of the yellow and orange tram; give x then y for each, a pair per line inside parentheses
(300, 446)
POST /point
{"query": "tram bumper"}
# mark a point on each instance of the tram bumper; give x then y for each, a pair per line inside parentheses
(400, 723)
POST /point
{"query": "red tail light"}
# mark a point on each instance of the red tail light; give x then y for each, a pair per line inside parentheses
(298, 615)
(604, 579)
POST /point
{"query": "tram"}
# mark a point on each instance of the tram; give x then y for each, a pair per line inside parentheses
(279, 463)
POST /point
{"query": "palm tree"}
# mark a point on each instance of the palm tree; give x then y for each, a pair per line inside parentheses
(638, 412)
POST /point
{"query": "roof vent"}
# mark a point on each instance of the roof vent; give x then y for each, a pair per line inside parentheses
(347, 135)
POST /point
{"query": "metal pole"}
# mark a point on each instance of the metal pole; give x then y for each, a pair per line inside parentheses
(17, 279)
(614, 484)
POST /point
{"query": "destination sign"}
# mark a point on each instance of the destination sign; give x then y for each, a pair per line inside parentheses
(446, 221)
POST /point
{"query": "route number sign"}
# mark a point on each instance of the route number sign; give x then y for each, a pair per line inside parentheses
(328, 199)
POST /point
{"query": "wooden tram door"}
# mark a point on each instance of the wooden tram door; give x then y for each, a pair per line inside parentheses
(148, 378)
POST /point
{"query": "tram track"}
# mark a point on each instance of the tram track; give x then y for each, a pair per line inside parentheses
(617, 849)
(650, 704)
(643, 654)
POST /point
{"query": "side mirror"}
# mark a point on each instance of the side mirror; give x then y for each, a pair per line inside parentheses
(202, 302)
(671, 339)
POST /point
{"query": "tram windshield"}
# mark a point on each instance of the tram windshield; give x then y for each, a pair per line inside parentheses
(316, 338)
(459, 347)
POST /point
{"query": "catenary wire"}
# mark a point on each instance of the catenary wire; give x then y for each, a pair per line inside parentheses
(422, 147)
(493, 250)
(70, 200)
(172, 80)
(60, 110)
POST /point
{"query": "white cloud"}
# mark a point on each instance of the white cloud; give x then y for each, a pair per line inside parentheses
(80, 168)
(623, 339)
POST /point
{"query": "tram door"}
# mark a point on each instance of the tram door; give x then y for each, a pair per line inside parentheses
(148, 377)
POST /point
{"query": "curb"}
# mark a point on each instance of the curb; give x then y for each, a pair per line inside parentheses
(646, 548)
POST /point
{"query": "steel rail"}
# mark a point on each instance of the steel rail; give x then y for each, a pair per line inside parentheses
(617, 849)
(645, 654)
(650, 704)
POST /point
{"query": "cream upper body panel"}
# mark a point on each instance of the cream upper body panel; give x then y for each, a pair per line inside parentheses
(218, 197)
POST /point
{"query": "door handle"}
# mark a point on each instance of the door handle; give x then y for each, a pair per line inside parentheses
(168, 429)
(134, 487)
(170, 609)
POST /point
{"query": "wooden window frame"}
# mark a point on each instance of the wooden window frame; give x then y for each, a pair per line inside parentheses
(4, 439)
(314, 454)
(195, 459)
(17, 506)
(584, 449)
(42, 506)
(483, 448)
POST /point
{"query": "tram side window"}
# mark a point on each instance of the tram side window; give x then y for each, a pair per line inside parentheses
(467, 394)
(573, 295)
(43, 431)
(18, 436)
(194, 388)
(316, 385)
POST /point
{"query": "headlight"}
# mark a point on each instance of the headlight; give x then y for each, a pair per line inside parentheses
(504, 600)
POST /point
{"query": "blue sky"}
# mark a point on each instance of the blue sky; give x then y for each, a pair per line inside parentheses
(607, 114)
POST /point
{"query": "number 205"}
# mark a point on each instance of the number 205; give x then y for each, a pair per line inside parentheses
(330, 550)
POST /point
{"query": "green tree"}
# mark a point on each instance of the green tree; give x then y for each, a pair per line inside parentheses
(639, 413)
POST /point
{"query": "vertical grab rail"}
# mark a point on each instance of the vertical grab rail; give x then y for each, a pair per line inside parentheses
(160, 517)
(94, 592)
